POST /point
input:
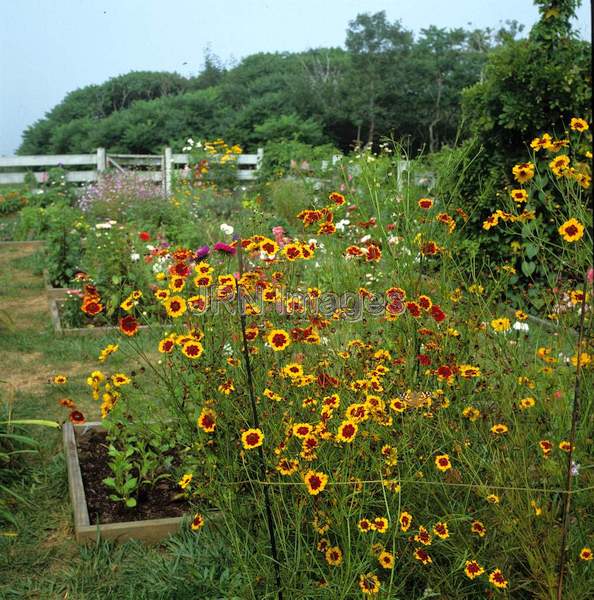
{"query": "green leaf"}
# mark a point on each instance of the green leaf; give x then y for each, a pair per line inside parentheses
(41, 422)
(131, 502)
(110, 482)
(531, 250)
(528, 268)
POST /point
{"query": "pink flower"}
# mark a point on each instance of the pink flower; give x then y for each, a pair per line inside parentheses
(278, 232)
(222, 247)
(590, 275)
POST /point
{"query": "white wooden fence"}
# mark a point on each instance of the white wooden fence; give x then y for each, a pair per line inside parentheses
(153, 167)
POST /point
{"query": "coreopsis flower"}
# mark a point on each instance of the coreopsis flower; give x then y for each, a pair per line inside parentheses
(197, 522)
(501, 324)
(583, 357)
(586, 553)
(76, 417)
(473, 569)
(108, 351)
(546, 446)
(129, 325)
(315, 482)
(425, 203)
(60, 379)
(571, 231)
(405, 520)
(493, 499)
(565, 446)
(469, 371)
(193, 349)
(91, 307)
(119, 379)
(478, 528)
(175, 306)
(497, 579)
(423, 536)
(347, 431)
(252, 438)
(380, 524)
(337, 198)
(519, 195)
(333, 556)
(442, 462)
(422, 556)
(523, 172)
(185, 481)
(278, 339)
(560, 165)
(207, 420)
(441, 530)
(287, 466)
(541, 142)
(499, 428)
(167, 345)
(292, 252)
(578, 124)
(526, 403)
(386, 559)
(369, 584)
(365, 525)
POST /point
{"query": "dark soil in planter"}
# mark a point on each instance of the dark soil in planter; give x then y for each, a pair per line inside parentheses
(153, 502)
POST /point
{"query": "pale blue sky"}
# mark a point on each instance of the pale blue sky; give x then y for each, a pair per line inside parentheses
(50, 47)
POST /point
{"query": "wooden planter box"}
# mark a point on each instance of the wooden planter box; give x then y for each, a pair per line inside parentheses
(59, 330)
(153, 530)
(52, 292)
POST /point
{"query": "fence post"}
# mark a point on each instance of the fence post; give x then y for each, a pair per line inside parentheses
(167, 170)
(260, 158)
(101, 160)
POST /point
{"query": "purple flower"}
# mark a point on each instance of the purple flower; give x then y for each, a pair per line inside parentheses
(225, 248)
(202, 252)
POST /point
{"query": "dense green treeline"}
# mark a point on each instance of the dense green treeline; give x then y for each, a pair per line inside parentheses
(384, 82)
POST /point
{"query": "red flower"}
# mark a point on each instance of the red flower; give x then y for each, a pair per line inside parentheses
(180, 269)
(145, 236)
(76, 417)
(128, 325)
(437, 313)
(424, 360)
(413, 308)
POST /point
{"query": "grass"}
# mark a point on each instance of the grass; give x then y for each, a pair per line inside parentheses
(39, 557)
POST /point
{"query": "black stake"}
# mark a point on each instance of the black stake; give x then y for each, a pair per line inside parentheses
(250, 381)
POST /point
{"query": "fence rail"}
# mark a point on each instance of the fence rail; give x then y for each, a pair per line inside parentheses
(155, 167)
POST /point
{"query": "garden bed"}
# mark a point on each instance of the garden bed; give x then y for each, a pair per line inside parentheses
(53, 293)
(154, 518)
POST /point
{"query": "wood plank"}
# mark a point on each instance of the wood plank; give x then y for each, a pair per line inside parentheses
(50, 160)
(151, 531)
(73, 176)
(75, 483)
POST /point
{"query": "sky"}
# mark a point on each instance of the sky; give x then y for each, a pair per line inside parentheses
(51, 47)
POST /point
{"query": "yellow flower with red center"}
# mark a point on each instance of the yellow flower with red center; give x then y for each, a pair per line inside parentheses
(541, 142)
(425, 203)
(478, 528)
(292, 370)
(497, 579)
(493, 499)
(380, 524)
(423, 536)
(565, 446)
(167, 344)
(287, 466)
(176, 284)
(108, 351)
(386, 559)
(252, 438)
(546, 446)
(60, 379)
(175, 306)
(119, 379)
(571, 231)
(272, 395)
(560, 165)
(423, 556)
(473, 569)
(278, 339)
(207, 420)
(203, 280)
(192, 349)
(337, 198)
(333, 556)
(499, 428)
(269, 247)
(161, 294)
(302, 430)
(226, 387)
(292, 252)
(441, 530)
(315, 481)
(405, 520)
(469, 371)
(197, 522)
(198, 303)
(347, 431)
(369, 584)
(526, 403)
(365, 525)
(442, 462)
(578, 124)
(184, 482)
(584, 359)
(523, 172)
(586, 553)
(357, 412)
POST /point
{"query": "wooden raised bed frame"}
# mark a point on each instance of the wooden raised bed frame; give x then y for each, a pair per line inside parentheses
(52, 292)
(151, 531)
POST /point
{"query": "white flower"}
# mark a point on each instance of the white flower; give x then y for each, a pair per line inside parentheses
(519, 326)
(106, 225)
(134, 257)
(150, 247)
(364, 239)
(342, 224)
(226, 229)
